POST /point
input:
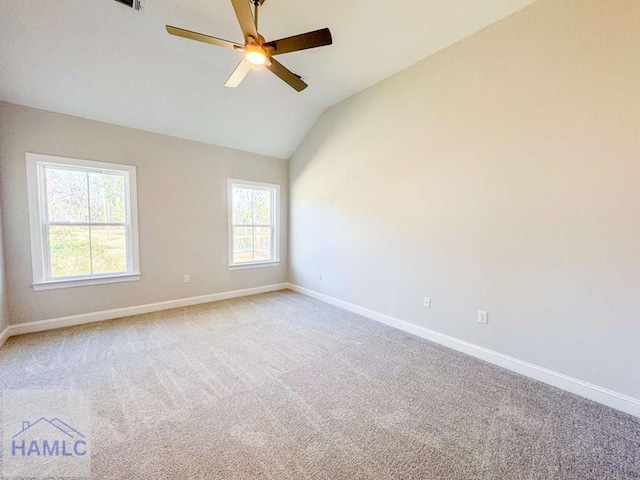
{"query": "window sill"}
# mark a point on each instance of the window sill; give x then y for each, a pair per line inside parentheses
(85, 282)
(246, 266)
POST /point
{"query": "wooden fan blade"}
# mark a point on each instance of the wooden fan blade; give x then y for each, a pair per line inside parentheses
(200, 37)
(319, 38)
(287, 75)
(245, 18)
(238, 74)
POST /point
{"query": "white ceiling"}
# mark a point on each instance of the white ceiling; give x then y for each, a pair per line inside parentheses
(100, 60)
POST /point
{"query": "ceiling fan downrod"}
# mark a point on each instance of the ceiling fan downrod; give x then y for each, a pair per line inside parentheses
(256, 5)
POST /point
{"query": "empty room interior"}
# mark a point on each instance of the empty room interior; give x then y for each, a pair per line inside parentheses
(280, 239)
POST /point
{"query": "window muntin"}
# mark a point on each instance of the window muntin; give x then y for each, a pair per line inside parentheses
(83, 219)
(253, 226)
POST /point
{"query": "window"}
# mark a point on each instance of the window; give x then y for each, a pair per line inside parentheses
(253, 224)
(83, 220)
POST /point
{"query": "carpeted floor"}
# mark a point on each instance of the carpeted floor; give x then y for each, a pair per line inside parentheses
(281, 386)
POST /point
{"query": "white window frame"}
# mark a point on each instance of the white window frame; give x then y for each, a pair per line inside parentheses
(40, 259)
(275, 223)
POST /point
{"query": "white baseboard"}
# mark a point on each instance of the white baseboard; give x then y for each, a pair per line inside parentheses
(54, 323)
(4, 335)
(598, 394)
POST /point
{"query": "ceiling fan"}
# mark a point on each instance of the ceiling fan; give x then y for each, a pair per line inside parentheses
(258, 52)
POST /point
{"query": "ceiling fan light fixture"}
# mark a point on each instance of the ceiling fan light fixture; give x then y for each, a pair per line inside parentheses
(255, 56)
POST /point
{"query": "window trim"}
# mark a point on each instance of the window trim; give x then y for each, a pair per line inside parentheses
(37, 222)
(275, 221)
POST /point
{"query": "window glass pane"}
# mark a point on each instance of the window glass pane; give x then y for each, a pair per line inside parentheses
(242, 206)
(67, 195)
(262, 244)
(109, 249)
(242, 244)
(262, 207)
(108, 197)
(70, 253)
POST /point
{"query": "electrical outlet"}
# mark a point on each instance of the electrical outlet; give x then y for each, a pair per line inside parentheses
(483, 317)
(187, 279)
(319, 275)
(426, 302)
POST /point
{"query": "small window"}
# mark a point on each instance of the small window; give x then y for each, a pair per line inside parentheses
(253, 223)
(83, 222)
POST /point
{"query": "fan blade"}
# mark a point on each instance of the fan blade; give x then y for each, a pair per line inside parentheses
(319, 38)
(245, 18)
(238, 74)
(200, 37)
(287, 75)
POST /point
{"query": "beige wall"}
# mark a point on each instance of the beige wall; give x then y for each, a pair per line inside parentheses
(502, 174)
(182, 204)
(4, 311)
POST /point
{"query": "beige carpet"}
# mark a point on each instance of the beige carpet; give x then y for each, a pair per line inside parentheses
(280, 386)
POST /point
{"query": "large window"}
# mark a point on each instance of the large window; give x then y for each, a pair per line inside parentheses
(83, 222)
(253, 224)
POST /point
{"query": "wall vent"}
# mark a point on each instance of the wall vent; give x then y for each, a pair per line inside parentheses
(135, 4)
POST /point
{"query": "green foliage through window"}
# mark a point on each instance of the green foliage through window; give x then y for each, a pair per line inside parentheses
(253, 229)
(86, 219)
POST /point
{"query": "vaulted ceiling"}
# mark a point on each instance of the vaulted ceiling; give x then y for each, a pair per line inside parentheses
(98, 59)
